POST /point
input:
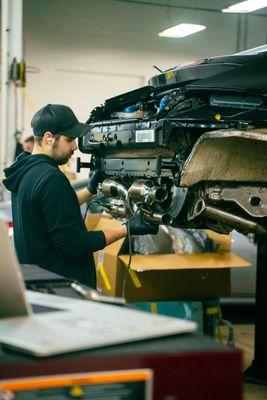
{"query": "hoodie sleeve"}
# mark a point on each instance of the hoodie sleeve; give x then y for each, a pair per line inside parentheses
(61, 213)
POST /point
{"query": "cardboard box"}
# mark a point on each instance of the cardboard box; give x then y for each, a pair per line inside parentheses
(158, 277)
(92, 220)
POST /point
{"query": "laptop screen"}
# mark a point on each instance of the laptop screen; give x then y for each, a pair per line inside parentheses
(12, 297)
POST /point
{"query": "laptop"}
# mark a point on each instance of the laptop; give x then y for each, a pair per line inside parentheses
(67, 324)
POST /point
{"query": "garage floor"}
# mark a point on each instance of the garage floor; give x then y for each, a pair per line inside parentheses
(244, 339)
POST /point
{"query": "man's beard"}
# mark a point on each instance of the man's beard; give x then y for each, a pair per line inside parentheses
(60, 160)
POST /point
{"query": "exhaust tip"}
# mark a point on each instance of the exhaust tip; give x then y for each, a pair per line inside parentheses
(161, 194)
(167, 219)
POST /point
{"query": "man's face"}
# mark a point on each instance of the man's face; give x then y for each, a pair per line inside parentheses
(63, 149)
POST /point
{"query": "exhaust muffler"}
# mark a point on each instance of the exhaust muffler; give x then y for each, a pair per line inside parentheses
(145, 191)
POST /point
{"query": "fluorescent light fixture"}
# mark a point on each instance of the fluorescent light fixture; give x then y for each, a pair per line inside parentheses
(246, 6)
(182, 30)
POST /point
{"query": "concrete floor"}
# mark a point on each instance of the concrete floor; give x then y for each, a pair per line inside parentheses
(244, 339)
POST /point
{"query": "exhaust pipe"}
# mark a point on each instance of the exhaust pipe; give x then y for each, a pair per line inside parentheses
(117, 191)
(116, 211)
(145, 191)
(141, 190)
(239, 223)
(113, 189)
(157, 218)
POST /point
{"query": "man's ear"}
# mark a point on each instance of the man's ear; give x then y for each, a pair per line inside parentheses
(48, 138)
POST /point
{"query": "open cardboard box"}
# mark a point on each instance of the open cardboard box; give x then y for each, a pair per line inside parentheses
(92, 220)
(158, 277)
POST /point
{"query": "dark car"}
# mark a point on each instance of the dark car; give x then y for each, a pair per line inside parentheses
(190, 148)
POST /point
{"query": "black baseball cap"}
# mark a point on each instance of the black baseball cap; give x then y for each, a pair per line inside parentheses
(57, 118)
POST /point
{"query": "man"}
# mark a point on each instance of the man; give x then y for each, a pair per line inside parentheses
(28, 144)
(48, 227)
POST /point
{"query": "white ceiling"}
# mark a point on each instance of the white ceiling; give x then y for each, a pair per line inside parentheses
(205, 5)
(135, 24)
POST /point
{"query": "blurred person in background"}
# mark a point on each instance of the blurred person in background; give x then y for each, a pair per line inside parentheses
(28, 144)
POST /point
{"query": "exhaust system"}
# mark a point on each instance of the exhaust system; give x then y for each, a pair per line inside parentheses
(116, 211)
(157, 218)
(145, 191)
(114, 189)
(117, 191)
(142, 191)
(239, 223)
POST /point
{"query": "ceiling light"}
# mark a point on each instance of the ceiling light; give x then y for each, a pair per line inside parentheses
(246, 6)
(182, 30)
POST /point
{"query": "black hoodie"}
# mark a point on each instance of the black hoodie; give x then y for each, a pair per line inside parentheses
(48, 227)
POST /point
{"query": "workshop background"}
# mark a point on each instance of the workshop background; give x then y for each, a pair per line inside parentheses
(82, 52)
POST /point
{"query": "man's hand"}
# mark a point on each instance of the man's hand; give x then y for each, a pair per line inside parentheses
(86, 194)
(94, 179)
(137, 226)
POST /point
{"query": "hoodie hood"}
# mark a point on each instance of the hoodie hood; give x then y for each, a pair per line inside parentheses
(23, 163)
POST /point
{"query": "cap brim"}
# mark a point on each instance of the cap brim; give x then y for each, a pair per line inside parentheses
(76, 131)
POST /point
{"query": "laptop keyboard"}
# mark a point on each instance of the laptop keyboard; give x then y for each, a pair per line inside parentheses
(104, 329)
